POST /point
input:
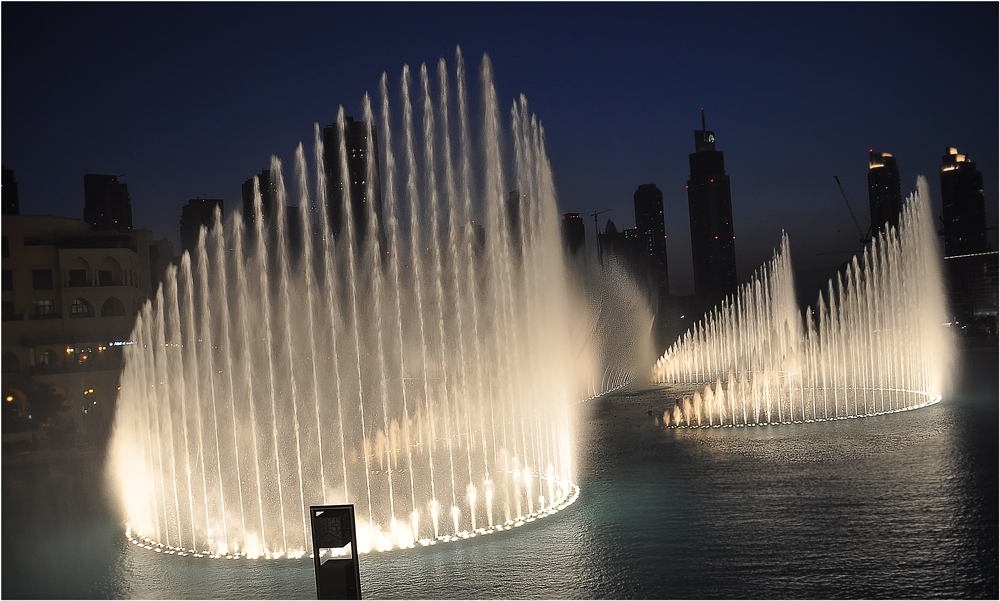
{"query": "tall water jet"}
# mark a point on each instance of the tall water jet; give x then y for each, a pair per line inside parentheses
(287, 363)
(875, 344)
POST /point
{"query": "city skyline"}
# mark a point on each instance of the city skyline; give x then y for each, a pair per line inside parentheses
(791, 91)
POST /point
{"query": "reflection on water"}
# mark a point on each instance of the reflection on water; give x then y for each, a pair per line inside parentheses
(896, 506)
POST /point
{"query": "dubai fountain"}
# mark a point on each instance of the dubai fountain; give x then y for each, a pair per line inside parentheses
(876, 343)
(427, 376)
(427, 382)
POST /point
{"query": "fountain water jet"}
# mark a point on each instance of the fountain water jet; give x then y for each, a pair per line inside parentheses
(875, 344)
(284, 365)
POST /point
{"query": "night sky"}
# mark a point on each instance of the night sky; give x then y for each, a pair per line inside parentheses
(189, 100)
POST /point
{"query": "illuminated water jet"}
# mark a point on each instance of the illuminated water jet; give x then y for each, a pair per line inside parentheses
(282, 366)
(875, 344)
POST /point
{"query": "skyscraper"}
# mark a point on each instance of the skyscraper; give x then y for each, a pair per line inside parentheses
(574, 233)
(970, 265)
(360, 142)
(196, 213)
(107, 204)
(885, 200)
(963, 205)
(652, 236)
(713, 246)
(268, 198)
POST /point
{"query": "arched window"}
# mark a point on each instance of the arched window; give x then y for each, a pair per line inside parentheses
(112, 308)
(79, 273)
(81, 308)
(10, 363)
(109, 272)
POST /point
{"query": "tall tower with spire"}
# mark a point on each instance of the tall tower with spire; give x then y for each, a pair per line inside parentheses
(713, 243)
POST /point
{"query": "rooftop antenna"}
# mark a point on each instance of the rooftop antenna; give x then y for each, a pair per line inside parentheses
(702, 119)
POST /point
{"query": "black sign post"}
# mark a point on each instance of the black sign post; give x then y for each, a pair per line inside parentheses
(335, 552)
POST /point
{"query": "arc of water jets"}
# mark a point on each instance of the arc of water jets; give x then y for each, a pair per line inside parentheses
(224, 426)
(888, 308)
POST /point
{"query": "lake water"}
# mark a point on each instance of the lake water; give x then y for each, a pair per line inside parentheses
(897, 506)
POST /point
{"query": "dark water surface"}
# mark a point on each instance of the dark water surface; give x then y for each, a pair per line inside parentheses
(898, 506)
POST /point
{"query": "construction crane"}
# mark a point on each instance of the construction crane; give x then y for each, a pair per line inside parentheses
(864, 236)
(597, 234)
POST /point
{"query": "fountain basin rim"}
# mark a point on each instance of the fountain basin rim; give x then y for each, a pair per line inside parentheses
(147, 543)
(932, 399)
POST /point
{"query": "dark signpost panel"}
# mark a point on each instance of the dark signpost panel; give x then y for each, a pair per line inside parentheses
(335, 552)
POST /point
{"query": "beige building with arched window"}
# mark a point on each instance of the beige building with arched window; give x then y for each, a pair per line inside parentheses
(70, 299)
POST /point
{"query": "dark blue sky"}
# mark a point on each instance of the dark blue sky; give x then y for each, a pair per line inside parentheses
(191, 99)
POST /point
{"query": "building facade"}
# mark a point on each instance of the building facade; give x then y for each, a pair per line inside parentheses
(713, 243)
(70, 300)
(885, 199)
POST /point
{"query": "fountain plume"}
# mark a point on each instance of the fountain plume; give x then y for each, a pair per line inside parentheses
(875, 343)
(286, 364)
